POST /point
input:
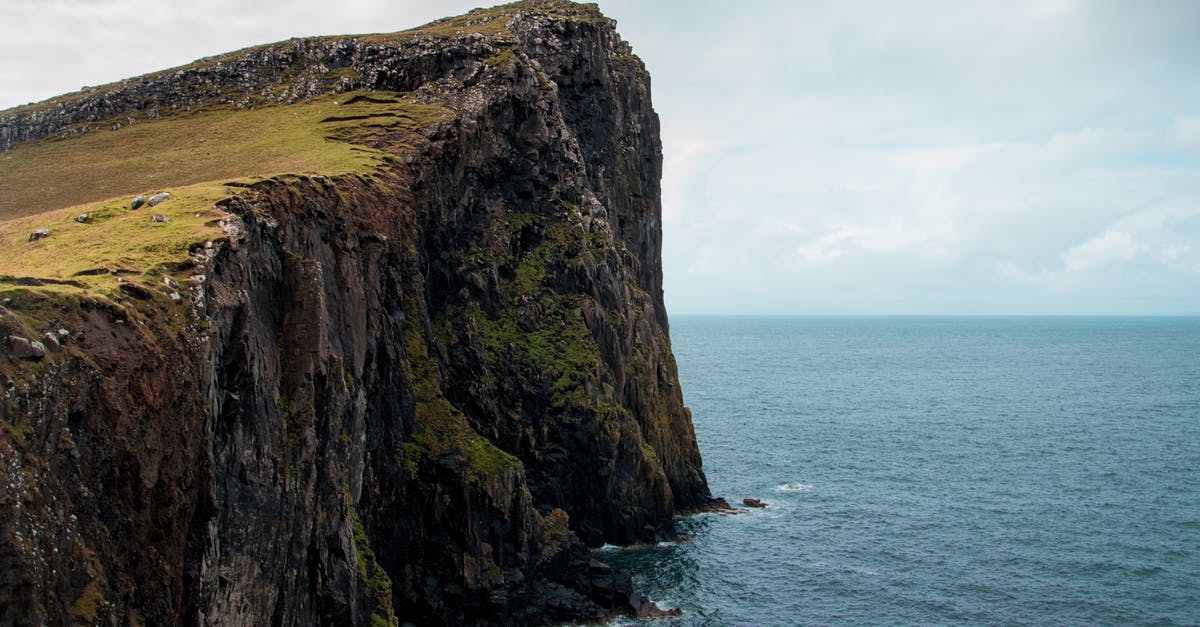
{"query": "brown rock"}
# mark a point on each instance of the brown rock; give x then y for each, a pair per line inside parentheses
(24, 348)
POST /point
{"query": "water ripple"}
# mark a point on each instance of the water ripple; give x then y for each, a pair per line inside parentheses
(939, 471)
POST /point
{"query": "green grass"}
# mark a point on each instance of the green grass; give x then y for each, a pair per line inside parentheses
(377, 583)
(49, 183)
(440, 430)
(553, 349)
(115, 238)
(324, 136)
(85, 608)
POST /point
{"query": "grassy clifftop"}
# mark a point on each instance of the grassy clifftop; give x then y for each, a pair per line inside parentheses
(217, 144)
(52, 183)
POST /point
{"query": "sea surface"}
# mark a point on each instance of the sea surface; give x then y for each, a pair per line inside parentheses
(926, 471)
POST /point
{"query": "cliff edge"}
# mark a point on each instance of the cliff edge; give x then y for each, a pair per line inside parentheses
(345, 330)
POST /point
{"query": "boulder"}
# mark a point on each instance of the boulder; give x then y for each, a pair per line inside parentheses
(157, 198)
(138, 202)
(645, 608)
(83, 218)
(717, 505)
(38, 234)
(158, 217)
(750, 502)
(24, 348)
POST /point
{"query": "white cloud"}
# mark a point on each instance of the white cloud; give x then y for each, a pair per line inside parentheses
(1109, 247)
(1092, 145)
(1186, 131)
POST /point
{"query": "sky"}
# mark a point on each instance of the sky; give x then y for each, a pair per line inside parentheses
(826, 157)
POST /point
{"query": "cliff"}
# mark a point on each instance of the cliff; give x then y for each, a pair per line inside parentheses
(393, 351)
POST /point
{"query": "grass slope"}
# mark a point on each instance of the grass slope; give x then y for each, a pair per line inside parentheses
(210, 145)
(114, 239)
(49, 183)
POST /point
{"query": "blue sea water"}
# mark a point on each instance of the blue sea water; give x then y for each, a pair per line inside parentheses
(939, 471)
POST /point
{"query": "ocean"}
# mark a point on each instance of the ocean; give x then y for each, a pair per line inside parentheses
(938, 470)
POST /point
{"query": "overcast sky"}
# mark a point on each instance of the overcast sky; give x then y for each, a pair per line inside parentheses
(827, 157)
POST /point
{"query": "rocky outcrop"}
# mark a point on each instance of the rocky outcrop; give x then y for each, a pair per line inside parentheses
(414, 395)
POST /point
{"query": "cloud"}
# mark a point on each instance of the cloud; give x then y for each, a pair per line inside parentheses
(1186, 131)
(1093, 145)
(1109, 247)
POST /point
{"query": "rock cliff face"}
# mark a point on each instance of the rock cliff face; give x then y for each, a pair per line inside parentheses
(414, 394)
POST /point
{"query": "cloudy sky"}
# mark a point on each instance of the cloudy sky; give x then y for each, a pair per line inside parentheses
(917, 157)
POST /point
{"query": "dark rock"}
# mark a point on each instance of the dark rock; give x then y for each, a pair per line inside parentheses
(752, 502)
(715, 505)
(645, 608)
(138, 201)
(135, 290)
(83, 218)
(38, 234)
(158, 198)
(92, 272)
(158, 217)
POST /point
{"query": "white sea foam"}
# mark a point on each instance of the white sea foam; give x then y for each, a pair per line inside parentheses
(793, 487)
(609, 547)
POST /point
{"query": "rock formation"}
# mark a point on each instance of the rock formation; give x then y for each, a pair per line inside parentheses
(413, 394)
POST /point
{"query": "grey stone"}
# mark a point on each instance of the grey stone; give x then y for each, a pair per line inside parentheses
(83, 218)
(158, 217)
(176, 298)
(157, 198)
(171, 283)
(38, 234)
(138, 202)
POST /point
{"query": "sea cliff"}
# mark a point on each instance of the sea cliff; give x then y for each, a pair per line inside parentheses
(407, 382)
